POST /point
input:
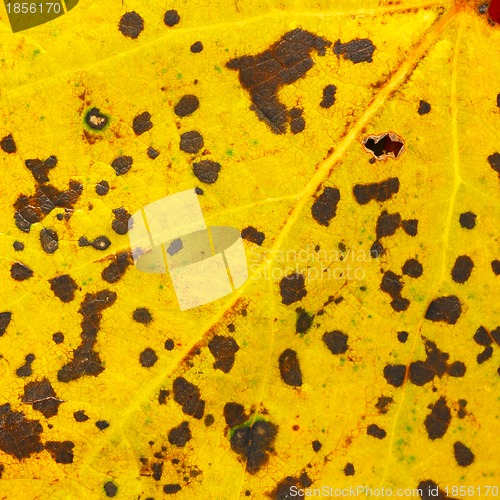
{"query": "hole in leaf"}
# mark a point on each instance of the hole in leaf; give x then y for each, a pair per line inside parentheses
(384, 145)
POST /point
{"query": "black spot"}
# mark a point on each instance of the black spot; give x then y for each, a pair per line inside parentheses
(410, 227)
(392, 285)
(85, 360)
(110, 489)
(253, 235)
(152, 153)
(357, 50)
(495, 267)
(437, 422)
(187, 395)
(191, 142)
(162, 396)
(171, 18)
(207, 171)
(157, 470)
(462, 269)
(457, 369)
(142, 123)
(102, 188)
(428, 490)
(349, 470)
(254, 443)
(446, 309)
(283, 63)
(209, 420)
(379, 191)
(387, 224)
(223, 350)
(290, 368)
(169, 344)
(198, 191)
(384, 145)
(64, 287)
(292, 288)
(234, 414)
(8, 145)
(423, 108)
(328, 96)
(383, 403)
(18, 246)
(142, 315)
(101, 243)
(297, 122)
(95, 119)
(485, 355)
(148, 357)
(5, 318)
(325, 207)
(58, 337)
(284, 491)
(463, 454)
(42, 397)
(402, 337)
(412, 268)
(494, 161)
(120, 224)
(116, 270)
(395, 374)
(40, 169)
(468, 220)
(336, 341)
(102, 424)
(196, 48)
(316, 445)
(376, 250)
(187, 105)
(421, 373)
(131, 25)
(376, 431)
(179, 435)
(61, 451)
(80, 416)
(304, 321)
(19, 437)
(122, 164)
(26, 370)
(20, 272)
(482, 337)
(172, 488)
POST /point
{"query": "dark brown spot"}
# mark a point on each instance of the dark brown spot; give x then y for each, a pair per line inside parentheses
(264, 74)
(162, 396)
(482, 337)
(102, 188)
(254, 443)
(102, 424)
(207, 171)
(116, 270)
(42, 397)
(304, 321)
(412, 268)
(392, 285)
(80, 416)
(64, 287)
(110, 489)
(395, 374)
(122, 164)
(142, 315)
(292, 288)
(26, 370)
(410, 227)
(120, 224)
(376, 250)
(8, 145)
(383, 146)
(376, 431)
(429, 491)
(234, 414)
(290, 368)
(49, 240)
(152, 153)
(468, 220)
(328, 96)
(462, 269)
(85, 360)
(157, 470)
(437, 422)
(494, 161)
(445, 309)
(288, 487)
(387, 224)
(5, 318)
(40, 168)
(18, 246)
(196, 48)
(131, 25)
(379, 191)
(169, 345)
(209, 420)
(421, 373)
(336, 341)
(316, 445)
(171, 488)
(61, 451)
(148, 357)
(402, 337)
(349, 470)
(463, 454)
(58, 337)
(191, 142)
(297, 122)
(485, 355)
(187, 105)
(171, 18)
(457, 369)
(495, 267)
(357, 50)
(179, 435)
(223, 350)
(20, 272)
(19, 437)
(325, 207)
(95, 119)
(423, 108)
(383, 403)
(253, 235)
(142, 123)
(187, 395)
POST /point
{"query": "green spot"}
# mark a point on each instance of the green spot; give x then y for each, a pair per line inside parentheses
(179, 76)
(42, 118)
(230, 153)
(218, 69)
(36, 52)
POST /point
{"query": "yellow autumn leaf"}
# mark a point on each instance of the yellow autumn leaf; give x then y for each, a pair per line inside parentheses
(354, 146)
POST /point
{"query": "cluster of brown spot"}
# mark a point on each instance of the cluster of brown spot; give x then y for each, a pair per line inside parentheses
(284, 489)
(486, 339)
(223, 349)
(324, 208)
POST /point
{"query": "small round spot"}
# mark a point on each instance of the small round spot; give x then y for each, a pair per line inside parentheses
(191, 142)
(142, 123)
(395, 374)
(463, 454)
(376, 431)
(131, 25)
(95, 119)
(110, 489)
(142, 315)
(8, 145)
(152, 153)
(209, 420)
(468, 220)
(316, 445)
(80, 416)
(336, 341)
(412, 268)
(462, 269)
(170, 489)
(196, 48)
(495, 267)
(102, 424)
(102, 188)
(402, 337)
(457, 369)
(58, 337)
(423, 108)
(20, 272)
(171, 18)
(169, 344)
(148, 357)
(207, 171)
(186, 106)
(349, 469)
(122, 164)
(18, 246)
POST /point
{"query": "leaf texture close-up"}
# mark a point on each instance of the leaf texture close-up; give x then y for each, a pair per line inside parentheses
(354, 146)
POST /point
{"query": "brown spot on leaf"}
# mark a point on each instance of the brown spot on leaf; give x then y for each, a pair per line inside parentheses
(110, 489)
(290, 368)
(429, 490)
(463, 454)
(292, 288)
(336, 341)
(412, 268)
(42, 397)
(378, 191)
(253, 235)
(40, 168)
(131, 25)
(445, 309)
(142, 123)
(61, 451)
(383, 404)
(304, 321)
(64, 287)
(152, 153)
(148, 357)
(142, 315)
(171, 18)
(223, 350)
(468, 220)
(328, 99)
(122, 164)
(495, 267)
(196, 47)
(26, 370)
(102, 188)
(80, 416)
(191, 142)
(325, 207)
(423, 108)
(357, 50)
(290, 485)
(5, 319)
(20, 272)
(410, 227)
(95, 119)
(187, 395)
(49, 240)
(171, 488)
(120, 224)
(462, 269)
(234, 414)
(187, 105)
(387, 224)
(494, 161)
(383, 146)
(180, 435)
(8, 145)
(437, 422)
(116, 270)
(395, 374)
(376, 431)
